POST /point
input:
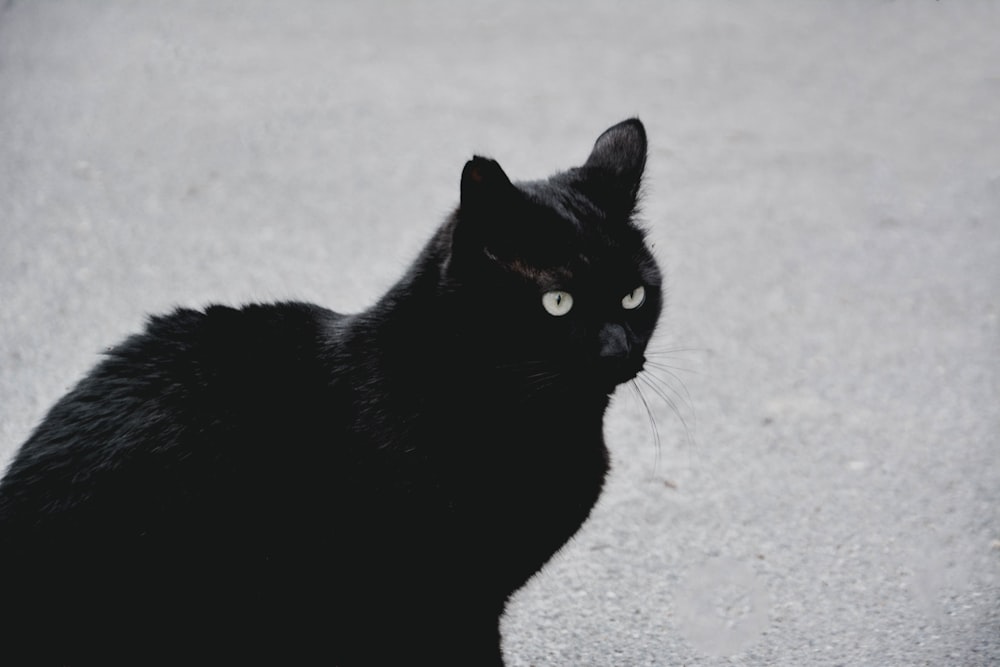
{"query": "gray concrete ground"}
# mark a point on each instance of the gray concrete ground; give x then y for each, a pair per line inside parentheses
(823, 190)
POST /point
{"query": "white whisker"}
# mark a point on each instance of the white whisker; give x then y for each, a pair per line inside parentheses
(651, 382)
(682, 395)
(652, 423)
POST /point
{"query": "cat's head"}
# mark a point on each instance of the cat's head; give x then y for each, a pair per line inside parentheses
(554, 277)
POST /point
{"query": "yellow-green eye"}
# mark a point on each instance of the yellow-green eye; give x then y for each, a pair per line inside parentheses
(557, 302)
(634, 298)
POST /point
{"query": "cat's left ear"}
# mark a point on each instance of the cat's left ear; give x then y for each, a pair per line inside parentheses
(616, 164)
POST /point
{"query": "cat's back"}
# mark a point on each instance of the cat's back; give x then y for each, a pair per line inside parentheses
(164, 407)
(165, 476)
(221, 350)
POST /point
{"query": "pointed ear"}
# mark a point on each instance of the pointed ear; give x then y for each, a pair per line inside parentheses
(621, 149)
(484, 185)
(617, 162)
(485, 219)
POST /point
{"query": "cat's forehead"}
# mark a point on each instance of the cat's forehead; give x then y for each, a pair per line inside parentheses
(575, 240)
(562, 199)
(578, 222)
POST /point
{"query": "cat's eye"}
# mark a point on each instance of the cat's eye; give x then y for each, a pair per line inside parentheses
(557, 302)
(634, 298)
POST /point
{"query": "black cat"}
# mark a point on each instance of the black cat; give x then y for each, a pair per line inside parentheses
(282, 484)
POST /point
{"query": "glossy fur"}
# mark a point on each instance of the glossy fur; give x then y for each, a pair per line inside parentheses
(280, 482)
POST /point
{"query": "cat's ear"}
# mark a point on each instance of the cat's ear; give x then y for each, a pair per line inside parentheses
(621, 150)
(488, 212)
(485, 186)
(616, 164)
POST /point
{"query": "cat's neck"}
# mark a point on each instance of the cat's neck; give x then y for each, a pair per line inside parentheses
(411, 314)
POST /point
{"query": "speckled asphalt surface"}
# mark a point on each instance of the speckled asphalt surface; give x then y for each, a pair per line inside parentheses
(823, 190)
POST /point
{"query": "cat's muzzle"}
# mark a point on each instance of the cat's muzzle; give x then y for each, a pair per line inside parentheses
(617, 360)
(619, 370)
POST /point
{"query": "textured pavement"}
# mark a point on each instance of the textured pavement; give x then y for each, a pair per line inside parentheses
(824, 193)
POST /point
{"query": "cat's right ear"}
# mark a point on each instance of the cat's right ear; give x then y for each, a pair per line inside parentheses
(485, 186)
(485, 211)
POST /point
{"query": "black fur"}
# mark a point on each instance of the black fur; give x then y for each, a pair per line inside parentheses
(282, 483)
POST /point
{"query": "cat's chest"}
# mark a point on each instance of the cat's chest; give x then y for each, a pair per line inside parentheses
(525, 464)
(471, 447)
(521, 490)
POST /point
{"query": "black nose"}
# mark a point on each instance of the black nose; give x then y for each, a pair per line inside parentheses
(614, 342)
(617, 361)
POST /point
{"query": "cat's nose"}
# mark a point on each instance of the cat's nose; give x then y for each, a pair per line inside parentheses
(614, 342)
(618, 362)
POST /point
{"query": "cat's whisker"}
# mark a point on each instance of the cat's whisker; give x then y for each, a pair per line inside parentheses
(686, 397)
(670, 367)
(540, 380)
(672, 358)
(668, 351)
(532, 376)
(655, 362)
(652, 423)
(661, 388)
